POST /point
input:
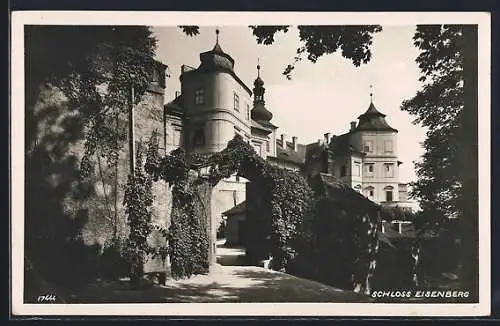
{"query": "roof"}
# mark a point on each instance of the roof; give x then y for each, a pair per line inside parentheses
(260, 113)
(240, 208)
(174, 107)
(373, 120)
(288, 154)
(340, 145)
(341, 193)
(216, 60)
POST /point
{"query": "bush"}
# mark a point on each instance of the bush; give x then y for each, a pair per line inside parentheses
(112, 263)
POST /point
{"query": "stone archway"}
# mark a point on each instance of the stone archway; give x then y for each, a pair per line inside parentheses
(193, 177)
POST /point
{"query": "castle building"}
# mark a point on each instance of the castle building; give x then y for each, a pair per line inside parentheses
(364, 158)
(215, 104)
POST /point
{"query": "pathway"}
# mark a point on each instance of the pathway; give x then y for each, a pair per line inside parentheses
(223, 284)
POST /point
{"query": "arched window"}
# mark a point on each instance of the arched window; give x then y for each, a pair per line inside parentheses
(357, 188)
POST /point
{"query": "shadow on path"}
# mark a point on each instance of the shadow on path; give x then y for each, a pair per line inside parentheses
(225, 284)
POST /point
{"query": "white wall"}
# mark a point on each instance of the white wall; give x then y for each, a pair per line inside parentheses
(218, 115)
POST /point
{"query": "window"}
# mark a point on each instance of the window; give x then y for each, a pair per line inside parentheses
(248, 111)
(268, 149)
(257, 148)
(389, 169)
(388, 193)
(199, 96)
(368, 147)
(388, 146)
(357, 169)
(176, 141)
(199, 137)
(342, 171)
(369, 191)
(369, 169)
(236, 102)
(357, 188)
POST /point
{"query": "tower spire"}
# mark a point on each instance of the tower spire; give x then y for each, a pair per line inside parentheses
(217, 31)
(258, 67)
(371, 93)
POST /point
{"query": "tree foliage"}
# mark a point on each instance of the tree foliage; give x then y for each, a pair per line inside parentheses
(437, 106)
(95, 74)
(92, 67)
(447, 106)
(353, 42)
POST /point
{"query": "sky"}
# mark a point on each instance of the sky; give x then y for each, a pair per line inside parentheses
(321, 97)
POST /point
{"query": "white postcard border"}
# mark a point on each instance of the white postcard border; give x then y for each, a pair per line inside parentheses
(19, 19)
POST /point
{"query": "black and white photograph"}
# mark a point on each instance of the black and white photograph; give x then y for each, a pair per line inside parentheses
(174, 163)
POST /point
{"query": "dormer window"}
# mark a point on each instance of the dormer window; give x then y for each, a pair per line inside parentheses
(199, 96)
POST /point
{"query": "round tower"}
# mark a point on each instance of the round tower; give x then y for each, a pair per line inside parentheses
(216, 100)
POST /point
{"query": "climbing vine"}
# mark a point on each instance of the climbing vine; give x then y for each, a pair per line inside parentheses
(291, 219)
(193, 176)
(138, 201)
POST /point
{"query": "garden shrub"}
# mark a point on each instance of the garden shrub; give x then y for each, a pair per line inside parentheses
(113, 265)
(341, 239)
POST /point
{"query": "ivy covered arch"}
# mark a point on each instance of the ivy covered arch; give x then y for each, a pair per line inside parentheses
(300, 222)
(276, 223)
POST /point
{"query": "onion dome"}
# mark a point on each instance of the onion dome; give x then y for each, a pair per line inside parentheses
(259, 111)
(216, 58)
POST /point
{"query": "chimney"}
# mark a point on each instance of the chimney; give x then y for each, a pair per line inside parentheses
(327, 138)
(294, 142)
(353, 125)
(283, 141)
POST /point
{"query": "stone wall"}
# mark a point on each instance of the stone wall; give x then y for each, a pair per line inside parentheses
(59, 202)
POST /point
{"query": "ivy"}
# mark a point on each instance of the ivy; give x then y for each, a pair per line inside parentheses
(289, 219)
(138, 201)
(288, 199)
